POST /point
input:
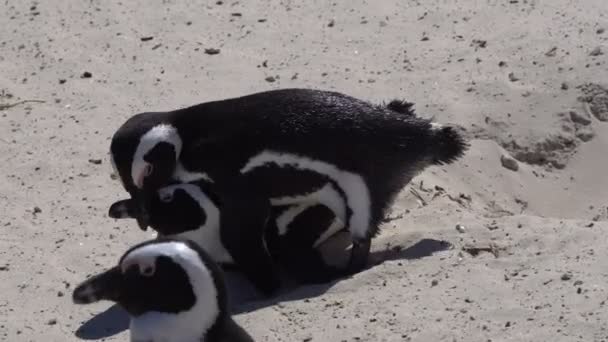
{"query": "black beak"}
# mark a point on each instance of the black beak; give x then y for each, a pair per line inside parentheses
(143, 199)
(104, 286)
(123, 209)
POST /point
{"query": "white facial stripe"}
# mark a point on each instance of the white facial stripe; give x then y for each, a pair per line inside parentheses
(160, 133)
(208, 235)
(185, 176)
(353, 185)
(185, 326)
(287, 217)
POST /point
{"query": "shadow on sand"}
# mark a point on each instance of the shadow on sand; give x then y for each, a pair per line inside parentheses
(244, 298)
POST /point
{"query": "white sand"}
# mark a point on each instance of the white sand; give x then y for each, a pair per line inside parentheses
(540, 218)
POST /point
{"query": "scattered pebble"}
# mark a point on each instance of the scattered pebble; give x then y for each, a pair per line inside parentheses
(564, 86)
(52, 321)
(509, 163)
(212, 51)
(37, 210)
(86, 74)
(566, 276)
(270, 79)
(62, 80)
(600, 30)
(502, 64)
(552, 52)
(331, 23)
(596, 52)
(145, 39)
(95, 161)
(580, 118)
(513, 78)
(434, 282)
(460, 228)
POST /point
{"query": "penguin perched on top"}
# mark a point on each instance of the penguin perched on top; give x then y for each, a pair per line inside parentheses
(284, 145)
(293, 234)
(172, 290)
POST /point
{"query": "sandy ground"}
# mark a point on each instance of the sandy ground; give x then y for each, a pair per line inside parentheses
(523, 77)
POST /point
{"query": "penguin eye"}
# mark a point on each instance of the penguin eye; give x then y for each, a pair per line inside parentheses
(147, 271)
(166, 196)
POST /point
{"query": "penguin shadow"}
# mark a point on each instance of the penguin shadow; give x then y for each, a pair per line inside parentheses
(112, 321)
(245, 299)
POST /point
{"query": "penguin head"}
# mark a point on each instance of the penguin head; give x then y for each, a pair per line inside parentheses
(144, 152)
(175, 209)
(169, 287)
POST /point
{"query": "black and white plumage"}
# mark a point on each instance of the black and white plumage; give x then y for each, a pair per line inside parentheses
(192, 211)
(283, 144)
(172, 290)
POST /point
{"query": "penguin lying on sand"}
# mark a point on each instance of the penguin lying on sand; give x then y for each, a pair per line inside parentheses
(282, 144)
(192, 211)
(172, 290)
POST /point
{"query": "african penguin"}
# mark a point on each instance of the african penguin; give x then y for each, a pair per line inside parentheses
(172, 290)
(192, 211)
(286, 144)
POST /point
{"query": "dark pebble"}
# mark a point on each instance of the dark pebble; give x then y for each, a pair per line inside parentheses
(86, 74)
(212, 51)
(145, 39)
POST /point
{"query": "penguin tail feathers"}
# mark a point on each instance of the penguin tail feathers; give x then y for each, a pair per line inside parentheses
(401, 107)
(448, 144)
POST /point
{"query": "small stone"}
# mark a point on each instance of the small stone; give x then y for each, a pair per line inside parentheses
(580, 118)
(502, 64)
(37, 210)
(585, 133)
(552, 52)
(145, 39)
(95, 161)
(52, 321)
(578, 282)
(596, 52)
(434, 282)
(331, 23)
(509, 163)
(579, 290)
(566, 276)
(513, 78)
(212, 51)
(86, 74)
(270, 79)
(424, 39)
(460, 228)
(565, 86)
(62, 80)
(59, 294)
(600, 30)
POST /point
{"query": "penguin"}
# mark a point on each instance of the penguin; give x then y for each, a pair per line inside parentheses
(294, 232)
(172, 291)
(284, 143)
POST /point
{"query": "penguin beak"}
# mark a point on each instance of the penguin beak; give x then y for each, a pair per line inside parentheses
(123, 209)
(104, 286)
(142, 199)
(131, 208)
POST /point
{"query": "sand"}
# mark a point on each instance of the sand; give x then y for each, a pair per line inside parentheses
(526, 79)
